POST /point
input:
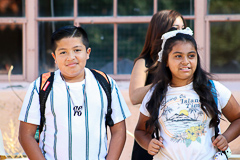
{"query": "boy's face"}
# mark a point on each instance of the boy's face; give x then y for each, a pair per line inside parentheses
(71, 56)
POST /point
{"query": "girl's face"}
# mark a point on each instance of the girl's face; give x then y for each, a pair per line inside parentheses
(182, 62)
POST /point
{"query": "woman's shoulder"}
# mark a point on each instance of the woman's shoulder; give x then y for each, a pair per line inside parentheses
(140, 64)
(141, 60)
(145, 61)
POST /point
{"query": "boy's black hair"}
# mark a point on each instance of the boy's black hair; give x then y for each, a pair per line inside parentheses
(67, 32)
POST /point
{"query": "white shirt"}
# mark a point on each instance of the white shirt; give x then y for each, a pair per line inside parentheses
(183, 124)
(74, 132)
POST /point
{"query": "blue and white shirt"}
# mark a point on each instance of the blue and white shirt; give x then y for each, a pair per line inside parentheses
(74, 132)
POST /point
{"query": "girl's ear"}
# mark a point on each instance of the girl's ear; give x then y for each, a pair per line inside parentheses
(54, 57)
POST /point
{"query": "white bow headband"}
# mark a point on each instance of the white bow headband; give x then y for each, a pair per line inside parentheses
(171, 34)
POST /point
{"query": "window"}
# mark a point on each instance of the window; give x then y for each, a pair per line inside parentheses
(116, 29)
(185, 7)
(101, 42)
(115, 39)
(51, 8)
(95, 8)
(224, 51)
(223, 6)
(135, 7)
(12, 18)
(131, 38)
(11, 51)
(12, 8)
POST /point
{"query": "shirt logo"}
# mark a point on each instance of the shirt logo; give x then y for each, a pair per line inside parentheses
(77, 110)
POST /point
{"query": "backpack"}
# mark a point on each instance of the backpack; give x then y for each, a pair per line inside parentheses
(46, 82)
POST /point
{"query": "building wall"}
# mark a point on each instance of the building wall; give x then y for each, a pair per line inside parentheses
(116, 32)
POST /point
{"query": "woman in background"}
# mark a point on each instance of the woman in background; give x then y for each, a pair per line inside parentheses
(145, 64)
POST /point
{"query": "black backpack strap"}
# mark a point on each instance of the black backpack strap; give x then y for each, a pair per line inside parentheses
(46, 82)
(105, 83)
(156, 130)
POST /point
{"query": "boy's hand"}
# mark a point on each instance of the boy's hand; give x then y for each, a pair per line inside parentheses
(220, 142)
(155, 145)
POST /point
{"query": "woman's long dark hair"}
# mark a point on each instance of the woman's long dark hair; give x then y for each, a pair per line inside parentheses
(163, 79)
(160, 23)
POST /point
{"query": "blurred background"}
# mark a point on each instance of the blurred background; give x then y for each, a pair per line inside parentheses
(116, 30)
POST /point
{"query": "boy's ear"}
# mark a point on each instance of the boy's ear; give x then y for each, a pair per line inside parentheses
(54, 57)
(88, 52)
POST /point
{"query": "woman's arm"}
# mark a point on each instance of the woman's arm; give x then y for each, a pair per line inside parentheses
(144, 138)
(232, 112)
(137, 88)
(26, 138)
(118, 138)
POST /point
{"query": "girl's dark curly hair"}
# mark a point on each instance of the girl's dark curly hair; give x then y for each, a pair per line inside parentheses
(163, 78)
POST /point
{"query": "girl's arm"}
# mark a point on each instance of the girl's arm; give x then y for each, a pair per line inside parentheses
(26, 138)
(137, 88)
(145, 139)
(118, 138)
(232, 112)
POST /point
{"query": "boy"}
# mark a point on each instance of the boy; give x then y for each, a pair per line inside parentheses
(75, 115)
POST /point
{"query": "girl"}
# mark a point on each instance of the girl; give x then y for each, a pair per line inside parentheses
(181, 105)
(141, 77)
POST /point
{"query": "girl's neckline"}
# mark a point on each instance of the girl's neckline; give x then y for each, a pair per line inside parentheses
(187, 85)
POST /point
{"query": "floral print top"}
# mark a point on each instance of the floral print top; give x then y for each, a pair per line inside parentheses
(184, 125)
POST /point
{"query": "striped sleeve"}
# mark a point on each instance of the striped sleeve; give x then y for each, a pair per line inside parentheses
(120, 109)
(30, 111)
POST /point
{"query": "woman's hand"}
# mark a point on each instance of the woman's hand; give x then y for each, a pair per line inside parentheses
(220, 142)
(155, 145)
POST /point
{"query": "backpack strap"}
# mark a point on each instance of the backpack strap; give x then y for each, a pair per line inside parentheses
(46, 82)
(156, 130)
(105, 83)
(214, 93)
